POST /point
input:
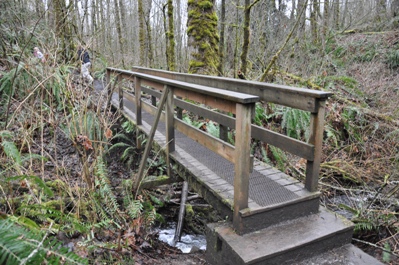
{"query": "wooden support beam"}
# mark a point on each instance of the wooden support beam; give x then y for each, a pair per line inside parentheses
(242, 162)
(140, 173)
(316, 138)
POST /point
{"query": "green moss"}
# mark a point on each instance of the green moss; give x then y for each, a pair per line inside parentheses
(189, 211)
(202, 29)
(205, 4)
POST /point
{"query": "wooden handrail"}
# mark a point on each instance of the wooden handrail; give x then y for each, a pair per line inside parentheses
(300, 98)
(239, 103)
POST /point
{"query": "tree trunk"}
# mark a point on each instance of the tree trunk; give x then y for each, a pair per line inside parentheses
(221, 42)
(141, 32)
(395, 8)
(326, 13)
(313, 20)
(202, 37)
(245, 45)
(302, 19)
(119, 31)
(171, 39)
(336, 14)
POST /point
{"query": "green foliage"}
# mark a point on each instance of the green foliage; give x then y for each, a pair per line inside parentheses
(353, 119)
(279, 157)
(21, 246)
(128, 126)
(212, 129)
(128, 145)
(332, 135)
(392, 59)
(365, 54)
(261, 116)
(107, 199)
(192, 122)
(9, 147)
(35, 180)
(295, 122)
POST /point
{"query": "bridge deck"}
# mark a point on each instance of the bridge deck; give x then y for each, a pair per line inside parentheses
(268, 187)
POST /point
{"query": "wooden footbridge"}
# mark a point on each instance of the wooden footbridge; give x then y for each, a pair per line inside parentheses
(270, 217)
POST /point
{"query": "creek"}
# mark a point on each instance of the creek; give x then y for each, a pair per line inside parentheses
(188, 243)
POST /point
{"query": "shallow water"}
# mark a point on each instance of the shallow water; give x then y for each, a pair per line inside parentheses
(186, 243)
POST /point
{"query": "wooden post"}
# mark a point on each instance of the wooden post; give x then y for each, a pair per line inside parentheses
(108, 83)
(170, 130)
(182, 210)
(120, 93)
(139, 120)
(223, 132)
(316, 138)
(242, 162)
(137, 93)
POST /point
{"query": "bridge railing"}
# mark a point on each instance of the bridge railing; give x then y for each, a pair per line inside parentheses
(175, 93)
(313, 101)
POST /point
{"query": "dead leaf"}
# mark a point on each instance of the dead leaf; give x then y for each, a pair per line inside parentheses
(108, 133)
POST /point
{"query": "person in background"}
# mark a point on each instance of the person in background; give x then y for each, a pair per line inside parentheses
(84, 57)
(38, 54)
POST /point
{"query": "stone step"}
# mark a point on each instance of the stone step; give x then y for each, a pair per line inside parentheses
(295, 240)
(345, 255)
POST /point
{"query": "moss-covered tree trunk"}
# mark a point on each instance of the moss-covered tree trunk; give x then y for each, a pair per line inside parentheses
(336, 14)
(63, 30)
(221, 43)
(245, 45)
(141, 31)
(326, 15)
(313, 20)
(171, 38)
(203, 38)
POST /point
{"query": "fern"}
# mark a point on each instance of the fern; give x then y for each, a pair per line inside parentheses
(332, 134)
(9, 147)
(21, 246)
(109, 201)
(212, 129)
(295, 122)
(279, 156)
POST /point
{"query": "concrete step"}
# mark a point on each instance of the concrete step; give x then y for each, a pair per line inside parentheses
(294, 240)
(345, 255)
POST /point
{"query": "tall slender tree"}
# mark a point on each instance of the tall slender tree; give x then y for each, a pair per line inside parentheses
(246, 35)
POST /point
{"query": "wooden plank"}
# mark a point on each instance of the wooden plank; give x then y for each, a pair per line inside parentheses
(170, 130)
(153, 84)
(214, 144)
(296, 147)
(242, 163)
(316, 138)
(209, 100)
(137, 92)
(206, 113)
(234, 96)
(301, 98)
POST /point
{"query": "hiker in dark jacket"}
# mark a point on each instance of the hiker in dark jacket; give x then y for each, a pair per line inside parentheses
(84, 57)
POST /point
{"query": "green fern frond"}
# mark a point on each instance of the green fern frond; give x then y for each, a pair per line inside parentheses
(212, 129)
(122, 137)
(110, 203)
(11, 150)
(36, 180)
(21, 246)
(134, 207)
(279, 156)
